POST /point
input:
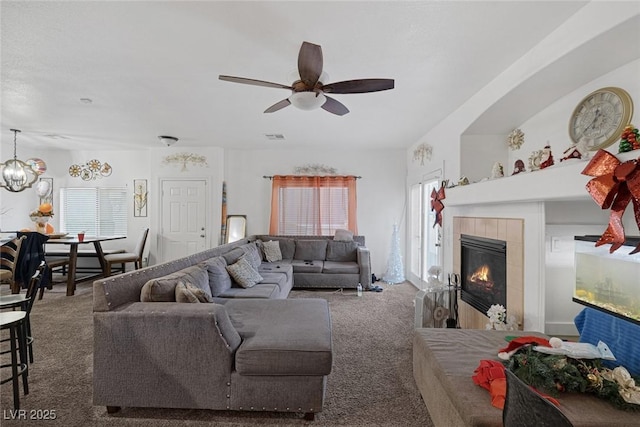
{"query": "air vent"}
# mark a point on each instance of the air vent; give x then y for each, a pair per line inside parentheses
(274, 136)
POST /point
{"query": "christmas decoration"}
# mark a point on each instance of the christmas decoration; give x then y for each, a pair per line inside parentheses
(436, 204)
(557, 373)
(546, 157)
(395, 269)
(518, 167)
(629, 140)
(614, 185)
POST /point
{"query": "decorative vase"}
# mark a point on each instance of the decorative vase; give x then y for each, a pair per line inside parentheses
(41, 223)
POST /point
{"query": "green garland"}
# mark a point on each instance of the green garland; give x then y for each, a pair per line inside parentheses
(556, 373)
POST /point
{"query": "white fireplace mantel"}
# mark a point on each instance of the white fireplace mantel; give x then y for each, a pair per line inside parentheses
(562, 181)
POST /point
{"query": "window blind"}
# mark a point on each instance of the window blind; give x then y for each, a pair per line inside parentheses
(96, 211)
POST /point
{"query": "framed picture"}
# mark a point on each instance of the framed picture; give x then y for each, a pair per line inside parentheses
(140, 197)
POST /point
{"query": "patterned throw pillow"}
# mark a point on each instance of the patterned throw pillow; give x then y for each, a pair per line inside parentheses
(272, 251)
(184, 294)
(243, 273)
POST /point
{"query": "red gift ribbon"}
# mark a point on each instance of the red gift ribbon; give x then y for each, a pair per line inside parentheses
(614, 185)
(437, 205)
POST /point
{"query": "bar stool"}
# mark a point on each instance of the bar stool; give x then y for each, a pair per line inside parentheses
(14, 321)
(25, 302)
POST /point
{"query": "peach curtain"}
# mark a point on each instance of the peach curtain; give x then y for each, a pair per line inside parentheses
(328, 203)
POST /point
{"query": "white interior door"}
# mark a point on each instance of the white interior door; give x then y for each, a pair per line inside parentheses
(415, 230)
(183, 228)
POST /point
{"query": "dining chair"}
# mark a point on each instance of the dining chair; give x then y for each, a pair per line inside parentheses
(126, 257)
(523, 407)
(9, 254)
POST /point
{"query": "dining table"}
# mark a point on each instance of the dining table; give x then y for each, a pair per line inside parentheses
(73, 242)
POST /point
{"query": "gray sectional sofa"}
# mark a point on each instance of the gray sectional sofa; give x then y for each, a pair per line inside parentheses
(322, 262)
(248, 348)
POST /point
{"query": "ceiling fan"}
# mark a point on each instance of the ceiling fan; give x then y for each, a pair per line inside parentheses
(309, 92)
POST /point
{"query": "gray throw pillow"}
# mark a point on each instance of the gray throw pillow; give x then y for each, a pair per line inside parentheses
(243, 273)
(343, 235)
(252, 253)
(219, 279)
(272, 251)
(184, 293)
(162, 289)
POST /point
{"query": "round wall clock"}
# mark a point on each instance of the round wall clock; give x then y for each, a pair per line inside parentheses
(600, 117)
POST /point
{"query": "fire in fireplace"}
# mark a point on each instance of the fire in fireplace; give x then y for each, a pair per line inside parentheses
(483, 272)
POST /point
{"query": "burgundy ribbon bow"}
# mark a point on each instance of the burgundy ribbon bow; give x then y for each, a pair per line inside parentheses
(437, 205)
(614, 185)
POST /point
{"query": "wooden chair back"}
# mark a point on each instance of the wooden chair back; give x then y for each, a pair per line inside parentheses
(9, 254)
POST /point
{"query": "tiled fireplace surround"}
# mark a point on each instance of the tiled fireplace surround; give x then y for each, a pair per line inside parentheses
(509, 230)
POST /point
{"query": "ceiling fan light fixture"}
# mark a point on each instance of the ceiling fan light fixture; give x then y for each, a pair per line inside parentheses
(308, 100)
(16, 174)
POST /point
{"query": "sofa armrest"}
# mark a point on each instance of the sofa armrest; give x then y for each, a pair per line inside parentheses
(364, 263)
(151, 354)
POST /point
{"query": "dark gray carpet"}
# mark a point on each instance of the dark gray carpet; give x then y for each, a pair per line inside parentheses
(371, 383)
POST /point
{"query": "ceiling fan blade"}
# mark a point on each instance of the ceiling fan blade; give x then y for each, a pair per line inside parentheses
(310, 63)
(359, 86)
(278, 106)
(253, 82)
(335, 107)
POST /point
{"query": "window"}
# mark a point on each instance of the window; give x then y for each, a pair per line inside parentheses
(313, 205)
(96, 211)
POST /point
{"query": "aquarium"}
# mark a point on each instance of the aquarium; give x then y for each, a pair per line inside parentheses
(609, 282)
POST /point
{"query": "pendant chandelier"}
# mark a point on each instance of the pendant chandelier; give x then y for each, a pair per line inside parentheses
(16, 174)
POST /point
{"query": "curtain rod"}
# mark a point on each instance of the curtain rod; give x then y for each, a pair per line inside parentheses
(271, 176)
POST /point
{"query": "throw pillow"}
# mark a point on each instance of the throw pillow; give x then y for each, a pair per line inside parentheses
(252, 253)
(243, 273)
(272, 251)
(343, 235)
(200, 293)
(185, 294)
(219, 279)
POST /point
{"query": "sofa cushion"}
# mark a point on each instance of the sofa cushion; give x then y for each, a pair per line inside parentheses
(219, 279)
(272, 251)
(261, 290)
(243, 273)
(282, 337)
(252, 253)
(340, 267)
(342, 251)
(283, 267)
(162, 289)
(185, 293)
(233, 255)
(308, 250)
(300, 266)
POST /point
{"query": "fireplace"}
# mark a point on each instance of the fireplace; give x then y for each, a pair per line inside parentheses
(483, 272)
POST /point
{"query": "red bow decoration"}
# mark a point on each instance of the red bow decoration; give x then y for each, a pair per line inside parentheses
(437, 205)
(614, 186)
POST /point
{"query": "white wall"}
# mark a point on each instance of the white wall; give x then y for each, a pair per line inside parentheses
(381, 191)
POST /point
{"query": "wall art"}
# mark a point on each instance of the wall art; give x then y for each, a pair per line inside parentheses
(314, 169)
(140, 194)
(422, 151)
(184, 159)
(91, 170)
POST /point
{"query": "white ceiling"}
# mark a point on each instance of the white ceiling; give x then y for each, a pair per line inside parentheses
(151, 68)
